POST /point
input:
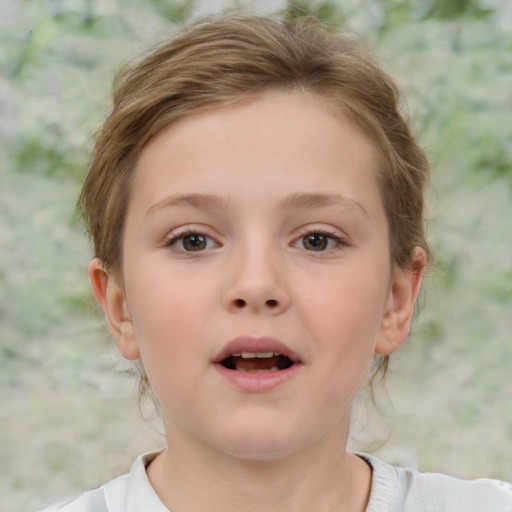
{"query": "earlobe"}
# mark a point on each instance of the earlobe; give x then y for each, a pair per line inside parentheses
(402, 297)
(111, 295)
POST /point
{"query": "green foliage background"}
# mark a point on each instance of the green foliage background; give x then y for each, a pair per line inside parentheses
(67, 418)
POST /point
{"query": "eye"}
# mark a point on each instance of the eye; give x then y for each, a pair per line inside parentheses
(191, 242)
(318, 241)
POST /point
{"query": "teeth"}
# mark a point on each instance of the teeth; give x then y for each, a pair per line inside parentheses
(264, 354)
(251, 355)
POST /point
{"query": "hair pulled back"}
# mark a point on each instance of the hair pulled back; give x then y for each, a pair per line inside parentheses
(216, 62)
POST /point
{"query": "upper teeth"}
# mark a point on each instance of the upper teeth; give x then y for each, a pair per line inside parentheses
(250, 355)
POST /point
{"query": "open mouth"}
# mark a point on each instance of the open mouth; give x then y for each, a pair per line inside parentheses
(257, 362)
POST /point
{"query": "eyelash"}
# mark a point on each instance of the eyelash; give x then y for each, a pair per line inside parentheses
(339, 242)
(174, 239)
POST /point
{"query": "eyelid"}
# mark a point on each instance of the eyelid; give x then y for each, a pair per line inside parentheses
(321, 229)
(180, 233)
(338, 236)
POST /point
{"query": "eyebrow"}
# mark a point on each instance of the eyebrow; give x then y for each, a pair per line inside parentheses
(318, 200)
(198, 201)
(292, 202)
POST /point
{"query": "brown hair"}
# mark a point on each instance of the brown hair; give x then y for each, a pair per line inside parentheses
(218, 61)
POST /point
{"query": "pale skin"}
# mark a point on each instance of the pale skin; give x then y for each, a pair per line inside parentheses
(262, 219)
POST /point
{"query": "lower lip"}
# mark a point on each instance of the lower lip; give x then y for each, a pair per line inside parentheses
(257, 382)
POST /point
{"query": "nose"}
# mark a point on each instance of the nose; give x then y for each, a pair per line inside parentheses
(256, 283)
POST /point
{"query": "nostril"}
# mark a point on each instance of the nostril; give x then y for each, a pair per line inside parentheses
(240, 303)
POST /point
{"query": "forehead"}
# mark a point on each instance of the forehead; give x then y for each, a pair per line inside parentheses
(278, 140)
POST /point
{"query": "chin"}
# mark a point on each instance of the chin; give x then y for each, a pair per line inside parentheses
(260, 445)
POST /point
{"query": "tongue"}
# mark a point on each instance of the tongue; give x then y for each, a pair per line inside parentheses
(256, 364)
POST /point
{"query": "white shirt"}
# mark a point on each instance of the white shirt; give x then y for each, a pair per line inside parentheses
(394, 489)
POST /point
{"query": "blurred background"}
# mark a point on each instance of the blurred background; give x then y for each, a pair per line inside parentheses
(69, 418)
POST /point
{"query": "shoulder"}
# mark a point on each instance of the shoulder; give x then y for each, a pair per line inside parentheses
(407, 490)
(128, 493)
(435, 491)
(90, 501)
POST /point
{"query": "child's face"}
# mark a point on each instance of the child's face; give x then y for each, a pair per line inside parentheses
(257, 227)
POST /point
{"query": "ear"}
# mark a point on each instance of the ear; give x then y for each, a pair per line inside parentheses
(399, 309)
(110, 293)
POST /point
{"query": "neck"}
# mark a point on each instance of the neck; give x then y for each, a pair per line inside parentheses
(323, 478)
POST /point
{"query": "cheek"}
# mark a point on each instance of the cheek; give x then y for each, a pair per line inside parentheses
(163, 299)
(155, 312)
(347, 301)
(346, 332)
(171, 314)
(344, 318)
(167, 335)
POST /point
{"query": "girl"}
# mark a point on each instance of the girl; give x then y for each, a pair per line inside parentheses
(255, 201)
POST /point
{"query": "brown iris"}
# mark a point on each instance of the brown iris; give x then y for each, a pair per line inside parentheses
(194, 242)
(315, 242)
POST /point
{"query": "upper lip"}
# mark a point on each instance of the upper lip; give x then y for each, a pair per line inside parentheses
(255, 344)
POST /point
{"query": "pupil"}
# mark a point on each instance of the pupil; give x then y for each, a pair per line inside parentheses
(315, 242)
(194, 242)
